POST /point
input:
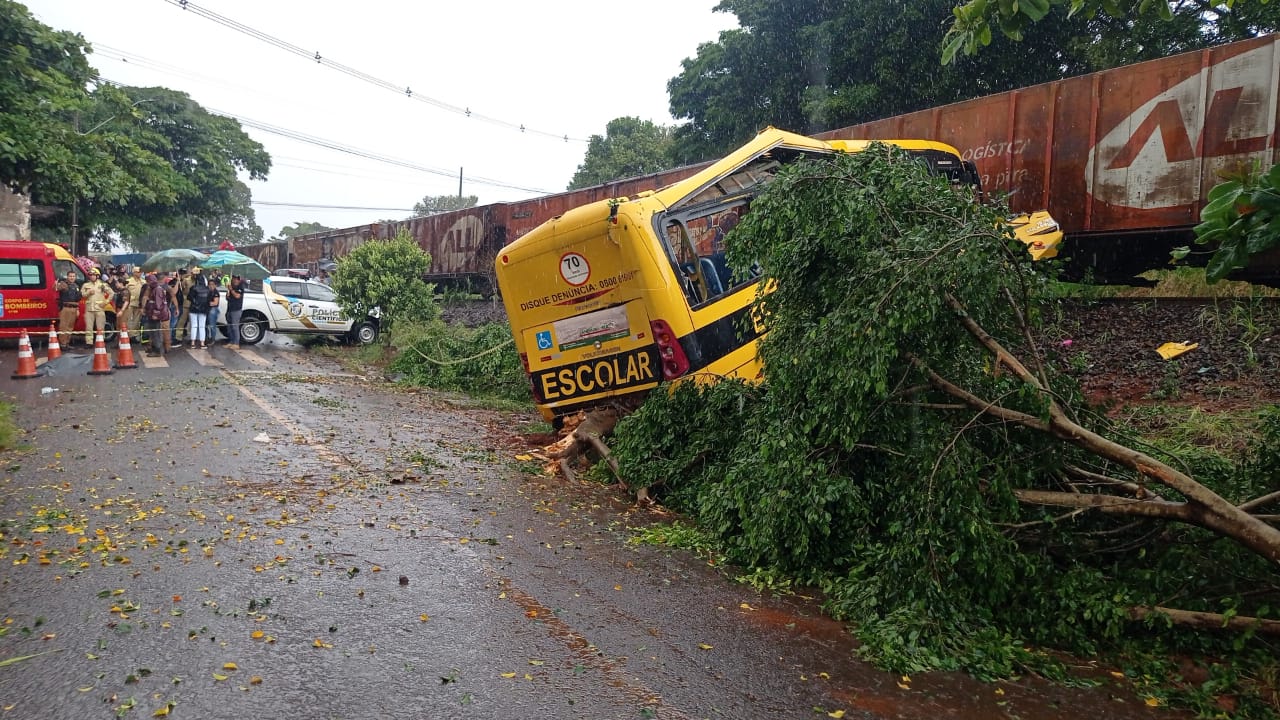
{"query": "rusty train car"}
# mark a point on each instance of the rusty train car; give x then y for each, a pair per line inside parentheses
(462, 243)
(1122, 158)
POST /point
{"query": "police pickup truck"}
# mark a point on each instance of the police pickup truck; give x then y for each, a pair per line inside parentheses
(299, 307)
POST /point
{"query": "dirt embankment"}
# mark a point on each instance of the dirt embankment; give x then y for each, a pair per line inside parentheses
(1111, 348)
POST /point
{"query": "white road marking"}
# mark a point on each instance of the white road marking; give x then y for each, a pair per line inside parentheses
(298, 430)
(252, 357)
(150, 362)
(203, 357)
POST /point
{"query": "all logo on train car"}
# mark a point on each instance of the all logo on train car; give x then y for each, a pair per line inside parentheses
(1223, 116)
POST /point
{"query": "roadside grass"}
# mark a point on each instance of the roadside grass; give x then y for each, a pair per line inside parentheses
(1190, 282)
(487, 402)
(355, 359)
(8, 429)
(476, 367)
(478, 361)
(1181, 428)
(1174, 282)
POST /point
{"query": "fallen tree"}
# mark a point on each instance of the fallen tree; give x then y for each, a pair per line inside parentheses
(911, 451)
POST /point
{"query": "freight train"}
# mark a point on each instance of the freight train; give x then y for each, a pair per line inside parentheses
(1121, 158)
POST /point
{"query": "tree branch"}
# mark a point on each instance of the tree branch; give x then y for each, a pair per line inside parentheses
(1204, 507)
(1208, 621)
(1260, 501)
(1110, 504)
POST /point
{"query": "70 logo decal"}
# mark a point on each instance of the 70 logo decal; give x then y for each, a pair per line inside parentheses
(574, 269)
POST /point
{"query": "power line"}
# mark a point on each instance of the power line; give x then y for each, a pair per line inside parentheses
(327, 207)
(359, 75)
(321, 142)
(330, 144)
(367, 154)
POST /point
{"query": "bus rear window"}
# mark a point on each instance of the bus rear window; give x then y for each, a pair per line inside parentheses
(19, 274)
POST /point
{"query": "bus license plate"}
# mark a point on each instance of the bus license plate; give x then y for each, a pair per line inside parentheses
(600, 375)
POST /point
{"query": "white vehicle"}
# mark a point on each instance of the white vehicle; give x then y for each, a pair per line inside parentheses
(298, 307)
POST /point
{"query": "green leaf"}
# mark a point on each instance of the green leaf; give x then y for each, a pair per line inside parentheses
(1265, 199)
(1226, 259)
(951, 48)
(1035, 9)
(1231, 187)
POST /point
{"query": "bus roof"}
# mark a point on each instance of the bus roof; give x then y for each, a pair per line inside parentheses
(769, 139)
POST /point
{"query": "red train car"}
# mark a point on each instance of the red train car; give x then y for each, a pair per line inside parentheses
(462, 243)
(1122, 158)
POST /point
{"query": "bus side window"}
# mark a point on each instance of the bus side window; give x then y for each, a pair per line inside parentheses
(686, 258)
(698, 246)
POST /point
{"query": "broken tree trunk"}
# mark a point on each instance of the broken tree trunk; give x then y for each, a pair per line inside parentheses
(1208, 621)
(1202, 507)
(588, 436)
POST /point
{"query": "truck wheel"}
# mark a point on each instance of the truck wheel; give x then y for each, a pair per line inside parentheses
(252, 328)
(366, 333)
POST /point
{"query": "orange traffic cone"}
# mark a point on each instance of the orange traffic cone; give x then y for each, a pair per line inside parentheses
(55, 349)
(101, 365)
(124, 356)
(26, 360)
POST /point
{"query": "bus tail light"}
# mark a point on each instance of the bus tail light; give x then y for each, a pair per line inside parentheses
(674, 361)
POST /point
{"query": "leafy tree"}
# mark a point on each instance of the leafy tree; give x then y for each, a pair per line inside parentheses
(629, 147)
(433, 204)
(239, 226)
(816, 65)
(44, 104)
(203, 154)
(1187, 24)
(387, 274)
(114, 160)
(301, 228)
(909, 437)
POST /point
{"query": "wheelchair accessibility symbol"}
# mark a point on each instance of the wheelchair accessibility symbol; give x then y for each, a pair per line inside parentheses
(544, 339)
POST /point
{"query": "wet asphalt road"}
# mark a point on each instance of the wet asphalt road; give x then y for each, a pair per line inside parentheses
(264, 533)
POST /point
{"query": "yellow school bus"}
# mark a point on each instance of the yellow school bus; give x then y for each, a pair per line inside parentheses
(611, 298)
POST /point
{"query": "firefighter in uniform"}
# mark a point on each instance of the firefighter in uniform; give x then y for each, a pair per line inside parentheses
(96, 297)
(133, 288)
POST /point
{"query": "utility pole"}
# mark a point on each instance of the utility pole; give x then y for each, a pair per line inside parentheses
(75, 227)
(75, 206)
(459, 183)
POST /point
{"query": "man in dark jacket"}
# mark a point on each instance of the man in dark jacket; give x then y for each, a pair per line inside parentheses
(235, 308)
(155, 311)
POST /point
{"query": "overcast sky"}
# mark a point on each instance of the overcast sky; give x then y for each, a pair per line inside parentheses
(559, 68)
